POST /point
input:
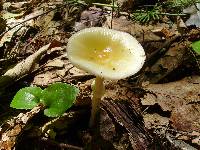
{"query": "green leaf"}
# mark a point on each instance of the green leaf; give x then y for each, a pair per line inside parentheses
(196, 46)
(26, 98)
(58, 97)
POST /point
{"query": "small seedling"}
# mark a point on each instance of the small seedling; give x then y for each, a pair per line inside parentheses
(57, 98)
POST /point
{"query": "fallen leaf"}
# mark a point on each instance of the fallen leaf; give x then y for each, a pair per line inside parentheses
(11, 133)
(196, 141)
(23, 68)
(107, 127)
(174, 94)
(90, 18)
(155, 121)
(46, 78)
(179, 144)
(186, 118)
(7, 37)
(55, 63)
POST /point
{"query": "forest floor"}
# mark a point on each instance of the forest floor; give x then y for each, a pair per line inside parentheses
(156, 109)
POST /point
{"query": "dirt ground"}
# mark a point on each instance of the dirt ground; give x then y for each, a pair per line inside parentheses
(156, 109)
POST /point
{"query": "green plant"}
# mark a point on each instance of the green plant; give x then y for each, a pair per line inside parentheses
(149, 14)
(196, 46)
(177, 6)
(196, 54)
(183, 3)
(56, 98)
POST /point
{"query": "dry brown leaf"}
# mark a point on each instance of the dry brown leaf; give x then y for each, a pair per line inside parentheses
(179, 144)
(196, 140)
(143, 33)
(107, 127)
(186, 118)
(14, 127)
(125, 4)
(155, 121)
(90, 18)
(174, 94)
(46, 78)
(55, 63)
(173, 58)
(67, 72)
(23, 68)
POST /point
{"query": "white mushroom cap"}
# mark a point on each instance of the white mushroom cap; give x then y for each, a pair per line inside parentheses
(105, 52)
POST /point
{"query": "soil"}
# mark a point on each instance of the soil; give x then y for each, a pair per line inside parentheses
(156, 109)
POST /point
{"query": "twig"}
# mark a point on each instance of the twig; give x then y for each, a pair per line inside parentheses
(168, 14)
(111, 22)
(60, 145)
(81, 76)
(106, 5)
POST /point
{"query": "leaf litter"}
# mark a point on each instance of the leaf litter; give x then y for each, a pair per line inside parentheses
(132, 116)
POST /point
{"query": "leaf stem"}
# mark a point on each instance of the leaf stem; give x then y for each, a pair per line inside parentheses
(167, 14)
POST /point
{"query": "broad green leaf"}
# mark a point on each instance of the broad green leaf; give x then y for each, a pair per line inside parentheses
(26, 98)
(196, 46)
(58, 97)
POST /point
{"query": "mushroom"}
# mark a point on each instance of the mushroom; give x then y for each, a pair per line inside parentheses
(107, 54)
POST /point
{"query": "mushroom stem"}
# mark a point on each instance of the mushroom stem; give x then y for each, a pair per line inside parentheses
(98, 91)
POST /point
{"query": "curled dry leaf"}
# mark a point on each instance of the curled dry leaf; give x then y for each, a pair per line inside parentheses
(23, 68)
